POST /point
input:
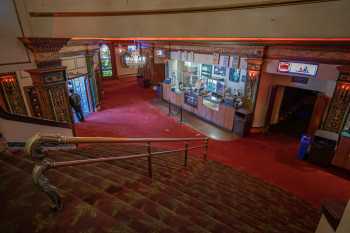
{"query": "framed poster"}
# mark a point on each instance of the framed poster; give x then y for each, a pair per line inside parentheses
(206, 70)
(216, 57)
(234, 75)
(243, 65)
(220, 71)
(243, 75)
(224, 60)
(234, 61)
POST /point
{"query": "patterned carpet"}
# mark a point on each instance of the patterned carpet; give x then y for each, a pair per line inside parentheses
(119, 197)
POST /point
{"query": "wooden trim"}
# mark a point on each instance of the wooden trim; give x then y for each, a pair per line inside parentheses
(228, 7)
(338, 61)
(13, 117)
(201, 117)
(129, 75)
(113, 60)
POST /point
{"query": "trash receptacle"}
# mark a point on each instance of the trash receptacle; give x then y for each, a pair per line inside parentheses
(305, 142)
(323, 148)
(158, 89)
(242, 122)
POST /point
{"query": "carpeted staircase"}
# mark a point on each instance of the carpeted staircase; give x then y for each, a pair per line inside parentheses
(118, 197)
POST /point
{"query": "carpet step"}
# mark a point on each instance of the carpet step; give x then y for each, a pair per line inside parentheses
(121, 212)
(250, 205)
(204, 197)
(234, 203)
(24, 209)
(142, 193)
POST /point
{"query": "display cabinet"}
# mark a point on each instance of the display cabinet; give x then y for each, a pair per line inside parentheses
(11, 94)
(50, 84)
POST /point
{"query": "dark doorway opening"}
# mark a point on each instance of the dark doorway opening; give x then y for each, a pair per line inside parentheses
(295, 111)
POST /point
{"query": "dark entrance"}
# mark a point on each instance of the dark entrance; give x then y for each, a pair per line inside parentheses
(295, 112)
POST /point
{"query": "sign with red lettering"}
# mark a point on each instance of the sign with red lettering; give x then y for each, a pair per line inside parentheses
(301, 69)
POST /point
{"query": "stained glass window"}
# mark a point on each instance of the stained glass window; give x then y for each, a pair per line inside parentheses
(106, 63)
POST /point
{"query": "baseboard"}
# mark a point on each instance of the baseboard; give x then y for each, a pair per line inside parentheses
(257, 130)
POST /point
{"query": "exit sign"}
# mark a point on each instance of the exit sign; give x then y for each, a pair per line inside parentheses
(298, 68)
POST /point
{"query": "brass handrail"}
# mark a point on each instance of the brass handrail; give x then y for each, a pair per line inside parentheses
(34, 144)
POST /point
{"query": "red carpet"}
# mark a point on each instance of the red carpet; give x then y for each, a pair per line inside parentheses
(128, 112)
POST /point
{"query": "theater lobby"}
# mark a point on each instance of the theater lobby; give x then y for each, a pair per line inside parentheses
(175, 116)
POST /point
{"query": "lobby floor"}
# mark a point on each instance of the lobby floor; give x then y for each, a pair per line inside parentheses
(129, 111)
(209, 130)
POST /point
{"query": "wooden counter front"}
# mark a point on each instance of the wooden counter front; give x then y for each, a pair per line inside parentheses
(222, 118)
(342, 155)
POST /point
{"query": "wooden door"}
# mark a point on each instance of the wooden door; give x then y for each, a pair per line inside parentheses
(270, 107)
(319, 110)
(158, 74)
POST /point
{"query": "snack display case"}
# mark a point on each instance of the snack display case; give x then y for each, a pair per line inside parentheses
(204, 90)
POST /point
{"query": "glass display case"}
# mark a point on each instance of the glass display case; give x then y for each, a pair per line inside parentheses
(175, 75)
(218, 84)
(190, 75)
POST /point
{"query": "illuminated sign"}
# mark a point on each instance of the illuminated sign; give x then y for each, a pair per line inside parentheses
(298, 68)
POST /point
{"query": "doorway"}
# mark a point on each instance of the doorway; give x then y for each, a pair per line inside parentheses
(80, 86)
(293, 110)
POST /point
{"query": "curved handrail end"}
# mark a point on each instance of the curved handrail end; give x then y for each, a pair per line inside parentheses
(44, 185)
(32, 146)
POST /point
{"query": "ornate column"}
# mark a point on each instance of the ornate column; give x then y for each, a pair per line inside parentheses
(113, 60)
(49, 79)
(340, 103)
(89, 57)
(253, 77)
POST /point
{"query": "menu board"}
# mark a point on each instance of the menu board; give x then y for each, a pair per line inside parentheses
(224, 60)
(220, 71)
(206, 70)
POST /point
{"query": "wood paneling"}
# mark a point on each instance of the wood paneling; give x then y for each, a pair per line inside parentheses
(222, 118)
(320, 107)
(342, 155)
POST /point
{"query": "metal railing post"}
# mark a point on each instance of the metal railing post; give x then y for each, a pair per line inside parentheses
(186, 154)
(180, 114)
(149, 159)
(169, 108)
(205, 154)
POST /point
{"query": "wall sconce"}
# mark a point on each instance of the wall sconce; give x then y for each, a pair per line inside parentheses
(252, 75)
(120, 49)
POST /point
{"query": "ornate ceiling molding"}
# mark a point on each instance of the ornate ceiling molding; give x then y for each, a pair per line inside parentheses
(198, 9)
(45, 50)
(40, 45)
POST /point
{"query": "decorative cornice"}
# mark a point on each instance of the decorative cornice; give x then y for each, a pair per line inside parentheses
(227, 7)
(326, 55)
(241, 50)
(85, 52)
(41, 45)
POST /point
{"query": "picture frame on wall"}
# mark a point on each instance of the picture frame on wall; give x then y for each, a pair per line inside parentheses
(220, 71)
(243, 75)
(234, 75)
(234, 61)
